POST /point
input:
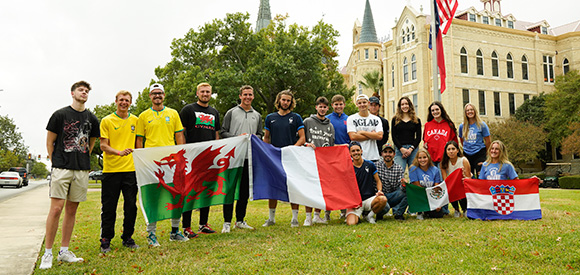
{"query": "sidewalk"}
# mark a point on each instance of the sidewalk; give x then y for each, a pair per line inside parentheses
(22, 223)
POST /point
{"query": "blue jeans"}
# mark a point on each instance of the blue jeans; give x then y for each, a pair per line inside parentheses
(404, 162)
(396, 200)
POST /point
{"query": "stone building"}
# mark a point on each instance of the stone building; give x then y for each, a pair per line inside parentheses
(492, 60)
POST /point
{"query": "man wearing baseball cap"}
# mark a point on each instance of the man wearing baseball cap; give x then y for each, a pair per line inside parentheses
(393, 181)
(374, 108)
(365, 128)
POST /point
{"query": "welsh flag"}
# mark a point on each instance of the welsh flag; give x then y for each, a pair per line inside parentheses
(175, 179)
(427, 199)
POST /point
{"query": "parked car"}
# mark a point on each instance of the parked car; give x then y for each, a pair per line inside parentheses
(96, 175)
(8, 178)
(23, 174)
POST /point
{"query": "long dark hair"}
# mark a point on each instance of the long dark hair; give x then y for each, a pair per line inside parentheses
(444, 115)
(445, 161)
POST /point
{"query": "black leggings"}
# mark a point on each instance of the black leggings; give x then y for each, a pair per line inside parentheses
(475, 159)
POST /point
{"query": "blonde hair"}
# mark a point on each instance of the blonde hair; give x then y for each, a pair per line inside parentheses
(203, 84)
(466, 120)
(399, 114)
(416, 160)
(503, 157)
(123, 92)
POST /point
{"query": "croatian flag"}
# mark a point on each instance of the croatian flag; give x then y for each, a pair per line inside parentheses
(321, 178)
(503, 199)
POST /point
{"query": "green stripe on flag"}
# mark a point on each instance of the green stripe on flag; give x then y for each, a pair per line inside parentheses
(417, 199)
(159, 204)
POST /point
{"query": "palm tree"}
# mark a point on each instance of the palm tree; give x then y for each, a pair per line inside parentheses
(374, 81)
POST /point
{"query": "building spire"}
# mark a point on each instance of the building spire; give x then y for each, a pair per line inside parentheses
(368, 32)
(264, 15)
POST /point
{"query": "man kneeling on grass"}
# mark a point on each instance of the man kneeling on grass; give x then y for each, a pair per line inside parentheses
(367, 180)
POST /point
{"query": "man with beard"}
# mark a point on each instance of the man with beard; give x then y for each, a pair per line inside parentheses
(368, 183)
(241, 120)
(365, 128)
(117, 143)
(319, 133)
(392, 178)
(374, 108)
(160, 126)
(201, 123)
(71, 135)
(283, 128)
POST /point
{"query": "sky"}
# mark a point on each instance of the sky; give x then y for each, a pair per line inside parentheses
(46, 46)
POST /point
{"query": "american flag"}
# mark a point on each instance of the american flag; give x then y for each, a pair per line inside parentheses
(447, 10)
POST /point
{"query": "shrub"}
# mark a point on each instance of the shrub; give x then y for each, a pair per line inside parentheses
(569, 182)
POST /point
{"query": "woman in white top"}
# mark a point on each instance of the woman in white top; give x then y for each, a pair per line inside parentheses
(453, 159)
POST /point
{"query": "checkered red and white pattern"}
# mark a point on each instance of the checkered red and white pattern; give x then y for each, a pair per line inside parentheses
(504, 204)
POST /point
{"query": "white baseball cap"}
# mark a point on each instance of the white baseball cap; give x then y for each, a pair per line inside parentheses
(156, 86)
(362, 96)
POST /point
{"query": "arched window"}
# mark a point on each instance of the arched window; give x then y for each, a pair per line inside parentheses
(524, 67)
(463, 60)
(494, 64)
(403, 37)
(405, 70)
(393, 75)
(479, 59)
(408, 35)
(413, 68)
(566, 65)
(413, 32)
(509, 66)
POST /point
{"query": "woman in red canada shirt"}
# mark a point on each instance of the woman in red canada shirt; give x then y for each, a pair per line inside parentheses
(439, 129)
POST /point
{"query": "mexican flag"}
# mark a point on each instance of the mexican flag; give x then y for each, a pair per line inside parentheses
(423, 199)
(175, 179)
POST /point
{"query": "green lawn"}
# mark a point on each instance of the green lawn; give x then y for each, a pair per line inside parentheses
(445, 246)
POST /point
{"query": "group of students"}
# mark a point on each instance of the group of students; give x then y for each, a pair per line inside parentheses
(379, 166)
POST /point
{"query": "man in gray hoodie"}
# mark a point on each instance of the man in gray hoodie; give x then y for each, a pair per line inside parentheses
(240, 120)
(319, 132)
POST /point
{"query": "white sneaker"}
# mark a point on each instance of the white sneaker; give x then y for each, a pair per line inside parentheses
(413, 214)
(46, 261)
(420, 217)
(226, 227)
(342, 215)
(317, 219)
(243, 225)
(370, 219)
(308, 221)
(68, 257)
(457, 214)
(294, 223)
(268, 223)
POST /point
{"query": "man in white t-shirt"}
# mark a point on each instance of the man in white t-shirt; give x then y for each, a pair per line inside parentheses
(365, 128)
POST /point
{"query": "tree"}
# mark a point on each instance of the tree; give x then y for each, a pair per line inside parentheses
(571, 143)
(12, 148)
(563, 107)
(227, 53)
(532, 111)
(373, 81)
(523, 140)
(38, 169)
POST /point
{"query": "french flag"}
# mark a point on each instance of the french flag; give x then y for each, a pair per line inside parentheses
(503, 199)
(321, 178)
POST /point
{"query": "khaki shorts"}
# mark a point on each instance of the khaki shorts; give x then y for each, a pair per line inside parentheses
(366, 206)
(69, 185)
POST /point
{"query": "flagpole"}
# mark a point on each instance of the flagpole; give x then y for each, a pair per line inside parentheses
(436, 94)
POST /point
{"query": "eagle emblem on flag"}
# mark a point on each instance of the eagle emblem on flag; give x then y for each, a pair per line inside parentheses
(503, 199)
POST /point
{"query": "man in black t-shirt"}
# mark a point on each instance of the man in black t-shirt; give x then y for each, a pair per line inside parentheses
(71, 135)
(201, 123)
(374, 108)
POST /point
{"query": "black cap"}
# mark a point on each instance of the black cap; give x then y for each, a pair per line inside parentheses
(374, 99)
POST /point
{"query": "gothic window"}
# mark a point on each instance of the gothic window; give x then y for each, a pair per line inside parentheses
(405, 70)
(548, 69)
(463, 60)
(413, 68)
(479, 59)
(510, 66)
(494, 64)
(524, 67)
(566, 66)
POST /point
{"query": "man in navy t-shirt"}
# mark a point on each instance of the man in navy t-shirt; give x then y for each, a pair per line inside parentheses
(367, 179)
(283, 128)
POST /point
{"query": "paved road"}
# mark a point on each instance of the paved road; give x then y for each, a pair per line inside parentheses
(7, 192)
